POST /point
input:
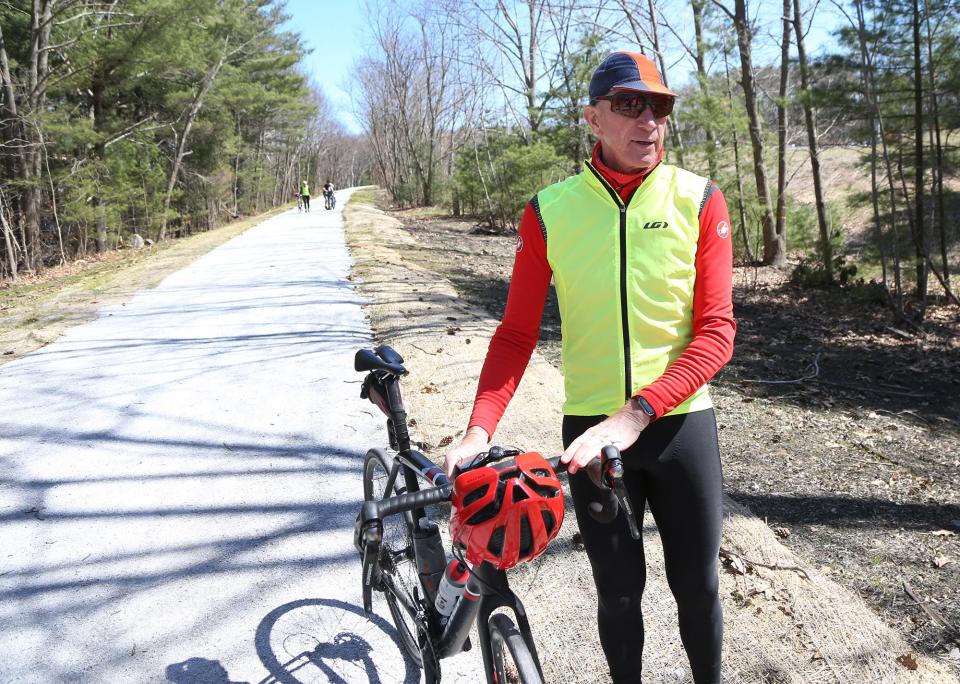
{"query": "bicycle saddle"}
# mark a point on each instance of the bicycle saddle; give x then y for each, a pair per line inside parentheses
(388, 354)
(388, 360)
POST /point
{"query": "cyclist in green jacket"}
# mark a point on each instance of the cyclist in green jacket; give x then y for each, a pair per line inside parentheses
(640, 254)
(305, 194)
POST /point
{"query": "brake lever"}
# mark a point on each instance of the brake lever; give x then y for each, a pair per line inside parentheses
(484, 458)
(370, 536)
(613, 478)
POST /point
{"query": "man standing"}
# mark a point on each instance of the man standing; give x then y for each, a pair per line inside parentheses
(641, 257)
(305, 194)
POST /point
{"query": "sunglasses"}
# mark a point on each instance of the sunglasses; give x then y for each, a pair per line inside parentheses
(634, 104)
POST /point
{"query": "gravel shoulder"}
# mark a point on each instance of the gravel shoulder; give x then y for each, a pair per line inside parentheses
(837, 493)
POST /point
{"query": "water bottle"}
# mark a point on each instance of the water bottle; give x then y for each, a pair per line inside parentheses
(451, 587)
(431, 559)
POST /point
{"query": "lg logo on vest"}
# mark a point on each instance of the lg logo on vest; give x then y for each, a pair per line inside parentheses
(653, 225)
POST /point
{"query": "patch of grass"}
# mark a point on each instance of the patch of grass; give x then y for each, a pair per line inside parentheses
(370, 194)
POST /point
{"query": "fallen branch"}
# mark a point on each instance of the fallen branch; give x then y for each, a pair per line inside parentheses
(865, 388)
(905, 411)
(900, 333)
(423, 350)
(816, 371)
(727, 553)
(934, 614)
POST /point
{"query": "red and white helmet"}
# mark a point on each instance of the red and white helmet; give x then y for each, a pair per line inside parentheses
(507, 515)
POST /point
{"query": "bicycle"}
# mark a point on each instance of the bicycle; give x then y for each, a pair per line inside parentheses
(329, 200)
(402, 553)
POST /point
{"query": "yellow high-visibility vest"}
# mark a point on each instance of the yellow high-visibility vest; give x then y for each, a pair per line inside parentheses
(624, 276)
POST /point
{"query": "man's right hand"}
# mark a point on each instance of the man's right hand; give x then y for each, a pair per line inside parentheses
(472, 444)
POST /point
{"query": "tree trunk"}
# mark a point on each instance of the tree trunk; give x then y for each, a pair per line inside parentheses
(15, 128)
(867, 83)
(702, 80)
(938, 149)
(748, 250)
(826, 249)
(782, 121)
(774, 244)
(96, 88)
(676, 140)
(181, 149)
(532, 68)
(919, 238)
(9, 241)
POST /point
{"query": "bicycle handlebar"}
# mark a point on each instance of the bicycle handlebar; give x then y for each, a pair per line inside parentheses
(604, 511)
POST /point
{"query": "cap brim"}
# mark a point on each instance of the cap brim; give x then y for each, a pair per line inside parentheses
(643, 87)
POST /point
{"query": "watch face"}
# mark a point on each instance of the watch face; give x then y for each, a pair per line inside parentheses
(644, 406)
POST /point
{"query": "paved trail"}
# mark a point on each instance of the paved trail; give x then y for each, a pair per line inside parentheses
(180, 479)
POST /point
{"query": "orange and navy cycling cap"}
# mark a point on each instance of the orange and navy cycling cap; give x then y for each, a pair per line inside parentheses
(627, 71)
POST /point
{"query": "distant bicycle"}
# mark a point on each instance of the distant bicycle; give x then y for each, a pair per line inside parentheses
(329, 200)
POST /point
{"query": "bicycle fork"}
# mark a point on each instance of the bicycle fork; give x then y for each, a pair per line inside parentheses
(497, 594)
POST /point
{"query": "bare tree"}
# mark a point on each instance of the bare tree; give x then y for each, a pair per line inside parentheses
(774, 244)
(782, 113)
(937, 145)
(646, 31)
(826, 250)
(703, 83)
(741, 205)
(919, 233)
(511, 55)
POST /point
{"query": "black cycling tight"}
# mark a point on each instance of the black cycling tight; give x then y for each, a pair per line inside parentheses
(675, 468)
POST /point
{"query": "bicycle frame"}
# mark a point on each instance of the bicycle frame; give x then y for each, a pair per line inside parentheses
(487, 588)
(489, 585)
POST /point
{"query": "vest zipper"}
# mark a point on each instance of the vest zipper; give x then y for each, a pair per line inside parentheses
(624, 318)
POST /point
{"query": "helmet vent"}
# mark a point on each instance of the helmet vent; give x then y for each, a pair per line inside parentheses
(495, 545)
(548, 521)
(486, 513)
(526, 537)
(475, 495)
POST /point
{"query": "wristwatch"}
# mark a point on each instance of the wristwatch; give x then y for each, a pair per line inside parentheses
(638, 403)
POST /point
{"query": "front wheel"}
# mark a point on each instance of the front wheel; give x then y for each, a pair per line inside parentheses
(397, 563)
(512, 660)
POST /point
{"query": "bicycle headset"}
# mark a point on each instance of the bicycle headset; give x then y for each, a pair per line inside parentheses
(507, 515)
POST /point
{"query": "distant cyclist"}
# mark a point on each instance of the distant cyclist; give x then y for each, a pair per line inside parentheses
(329, 199)
(305, 194)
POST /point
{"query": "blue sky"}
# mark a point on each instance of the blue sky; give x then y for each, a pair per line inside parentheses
(334, 31)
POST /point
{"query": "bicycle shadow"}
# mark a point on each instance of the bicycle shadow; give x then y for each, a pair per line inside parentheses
(345, 646)
(199, 671)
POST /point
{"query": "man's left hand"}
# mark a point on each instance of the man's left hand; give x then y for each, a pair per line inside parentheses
(621, 430)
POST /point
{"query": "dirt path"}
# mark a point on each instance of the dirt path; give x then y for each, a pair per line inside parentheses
(787, 620)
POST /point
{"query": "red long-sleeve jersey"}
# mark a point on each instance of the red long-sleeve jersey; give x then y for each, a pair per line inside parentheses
(713, 325)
